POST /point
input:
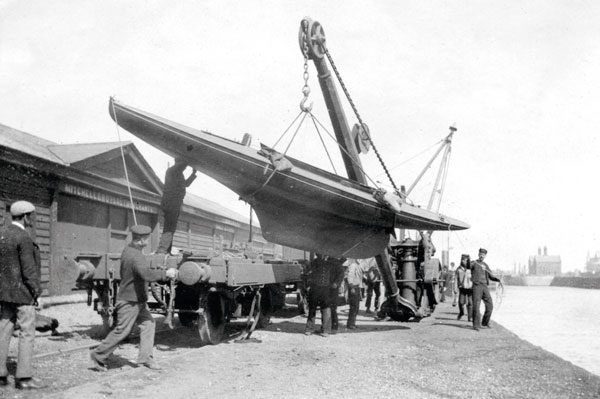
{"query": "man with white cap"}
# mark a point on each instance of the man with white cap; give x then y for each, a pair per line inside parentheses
(131, 304)
(19, 289)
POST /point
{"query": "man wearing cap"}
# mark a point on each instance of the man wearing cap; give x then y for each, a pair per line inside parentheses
(481, 275)
(131, 304)
(19, 290)
(465, 287)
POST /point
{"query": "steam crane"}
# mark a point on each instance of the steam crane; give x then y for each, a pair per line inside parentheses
(313, 46)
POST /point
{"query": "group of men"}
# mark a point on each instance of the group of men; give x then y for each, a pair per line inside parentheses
(472, 280)
(324, 277)
(20, 287)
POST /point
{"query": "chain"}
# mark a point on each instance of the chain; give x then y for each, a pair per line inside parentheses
(305, 75)
(337, 74)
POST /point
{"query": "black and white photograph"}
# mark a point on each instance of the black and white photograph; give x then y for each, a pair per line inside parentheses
(299, 199)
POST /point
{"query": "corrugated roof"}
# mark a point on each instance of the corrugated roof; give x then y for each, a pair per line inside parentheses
(28, 143)
(72, 153)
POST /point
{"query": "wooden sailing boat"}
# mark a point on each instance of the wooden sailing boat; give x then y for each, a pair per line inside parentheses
(298, 205)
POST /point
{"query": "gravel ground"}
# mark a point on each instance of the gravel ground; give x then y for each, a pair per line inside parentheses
(439, 357)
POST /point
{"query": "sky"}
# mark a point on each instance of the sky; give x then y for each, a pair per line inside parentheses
(519, 80)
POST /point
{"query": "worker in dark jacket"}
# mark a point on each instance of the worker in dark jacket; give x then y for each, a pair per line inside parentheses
(481, 275)
(373, 282)
(336, 277)
(464, 286)
(131, 304)
(172, 200)
(19, 291)
(319, 282)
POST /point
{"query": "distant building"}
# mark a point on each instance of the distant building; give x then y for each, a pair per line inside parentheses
(593, 264)
(543, 264)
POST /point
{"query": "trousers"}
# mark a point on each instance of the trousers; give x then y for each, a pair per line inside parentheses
(482, 293)
(465, 297)
(354, 302)
(373, 287)
(24, 315)
(318, 296)
(128, 313)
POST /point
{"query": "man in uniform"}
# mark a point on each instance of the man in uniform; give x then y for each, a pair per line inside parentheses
(172, 199)
(19, 290)
(319, 282)
(481, 275)
(131, 304)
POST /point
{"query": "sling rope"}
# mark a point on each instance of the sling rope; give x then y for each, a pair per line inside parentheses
(124, 163)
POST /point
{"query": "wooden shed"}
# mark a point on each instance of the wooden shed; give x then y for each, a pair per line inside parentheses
(82, 202)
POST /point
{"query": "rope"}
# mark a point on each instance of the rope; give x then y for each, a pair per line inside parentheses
(344, 150)
(286, 130)
(337, 74)
(323, 143)
(124, 163)
(413, 157)
(285, 152)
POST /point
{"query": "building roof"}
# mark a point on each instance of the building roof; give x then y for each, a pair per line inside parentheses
(28, 143)
(71, 153)
(84, 156)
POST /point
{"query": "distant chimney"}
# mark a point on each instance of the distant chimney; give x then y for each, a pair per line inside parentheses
(545, 251)
(539, 250)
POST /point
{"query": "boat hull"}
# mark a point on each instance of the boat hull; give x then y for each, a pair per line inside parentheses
(298, 206)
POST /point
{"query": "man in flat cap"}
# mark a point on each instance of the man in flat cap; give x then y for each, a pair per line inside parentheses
(131, 304)
(482, 275)
(19, 289)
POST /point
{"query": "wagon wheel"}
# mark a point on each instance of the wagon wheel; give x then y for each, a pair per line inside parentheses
(211, 322)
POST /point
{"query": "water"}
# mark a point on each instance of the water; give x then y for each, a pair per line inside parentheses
(564, 321)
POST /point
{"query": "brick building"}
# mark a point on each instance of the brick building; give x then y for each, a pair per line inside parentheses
(543, 264)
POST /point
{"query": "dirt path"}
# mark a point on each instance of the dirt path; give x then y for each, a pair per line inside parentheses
(439, 357)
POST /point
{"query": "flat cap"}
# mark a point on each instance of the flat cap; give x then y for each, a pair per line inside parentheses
(141, 230)
(464, 256)
(21, 208)
(483, 250)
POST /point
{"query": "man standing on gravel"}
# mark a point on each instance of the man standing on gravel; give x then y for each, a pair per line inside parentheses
(336, 277)
(354, 278)
(481, 275)
(319, 282)
(19, 289)
(465, 287)
(131, 303)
